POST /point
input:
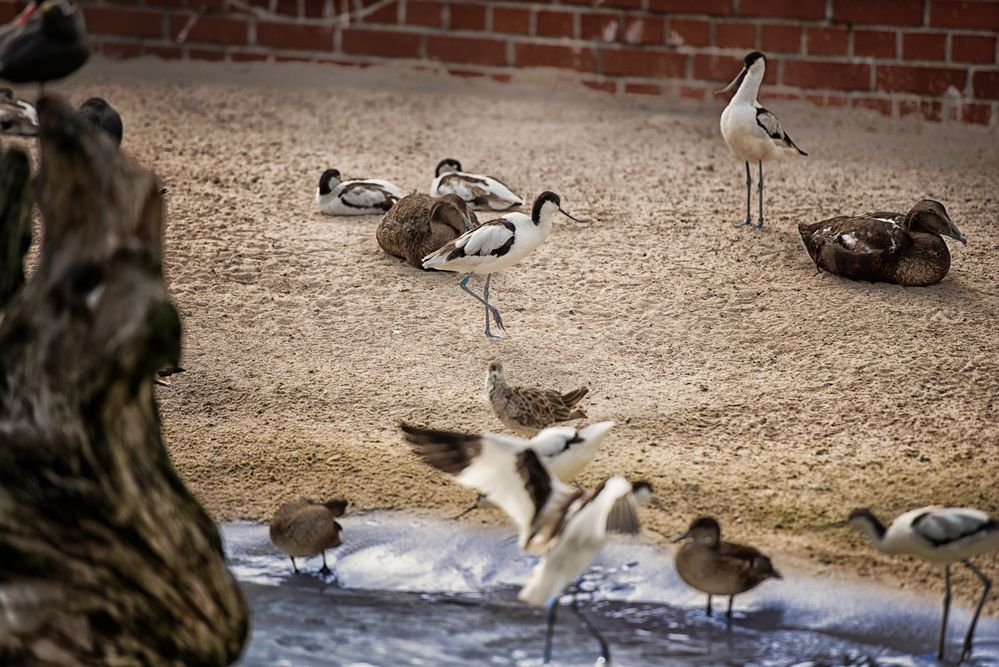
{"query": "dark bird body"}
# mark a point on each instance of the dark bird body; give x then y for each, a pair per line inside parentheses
(307, 527)
(48, 42)
(103, 115)
(418, 224)
(888, 247)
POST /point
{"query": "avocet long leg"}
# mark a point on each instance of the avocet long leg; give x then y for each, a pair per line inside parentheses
(759, 224)
(987, 585)
(552, 609)
(604, 648)
(946, 613)
(494, 311)
(463, 283)
(325, 569)
(709, 604)
(748, 222)
(294, 566)
(728, 614)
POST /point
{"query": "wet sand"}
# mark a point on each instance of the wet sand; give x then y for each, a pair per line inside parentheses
(744, 384)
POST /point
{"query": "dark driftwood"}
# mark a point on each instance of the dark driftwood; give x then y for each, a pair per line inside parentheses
(105, 557)
(15, 221)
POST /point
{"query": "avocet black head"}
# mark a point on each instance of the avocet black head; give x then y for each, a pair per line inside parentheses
(546, 204)
(753, 63)
(447, 165)
(329, 180)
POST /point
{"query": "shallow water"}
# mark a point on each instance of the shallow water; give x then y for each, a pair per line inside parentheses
(414, 591)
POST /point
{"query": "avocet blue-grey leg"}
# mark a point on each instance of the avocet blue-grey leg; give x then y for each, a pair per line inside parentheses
(946, 613)
(552, 609)
(748, 222)
(604, 648)
(987, 585)
(494, 311)
(759, 225)
(463, 283)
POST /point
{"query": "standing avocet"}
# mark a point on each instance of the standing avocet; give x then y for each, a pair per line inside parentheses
(566, 527)
(357, 197)
(497, 245)
(940, 534)
(753, 133)
(478, 190)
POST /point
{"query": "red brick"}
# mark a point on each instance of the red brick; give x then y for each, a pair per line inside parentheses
(303, 37)
(600, 27)
(246, 57)
(466, 16)
(466, 73)
(550, 23)
(735, 35)
(874, 43)
(693, 93)
(117, 21)
(211, 29)
(602, 86)
(215, 55)
(294, 59)
(287, 7)
(979, 114)
(928, 109)
(209, 5)
(780, 95)
(646, 30)
(924, 46)
(121, 50)
(313, 8)
(838, 76)
(689, 32)
(9, 10)
(780, 38)
(388, 14)
(827, 100)
(713, 7)
(785, 9)
(980, 15)
(164, 52)
(511, 19)
(883, 12)
(564, 57)
(466, 50)
(919, 80)
(642, 89)
(716, 68)
(501, 77)
(620, 4)
(986, 85)
(828, 41)
(973, 48)
(380, 43)
(425, 12)
(878, 104)
(644, 62)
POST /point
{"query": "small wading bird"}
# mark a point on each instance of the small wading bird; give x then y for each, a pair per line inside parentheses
(943, 535)
(481, 192)
(900, 248)
(17, 117)
(356, 197)
(529, 409)
(104, 116)
(45, 42)
(751, 132)
(419, 224)
(497, 245)
(566, 527)
(307, 527)
(720, 568)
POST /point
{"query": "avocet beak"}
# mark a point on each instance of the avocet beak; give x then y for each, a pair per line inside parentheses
(569, 215)
(735, 82)
(681, 538)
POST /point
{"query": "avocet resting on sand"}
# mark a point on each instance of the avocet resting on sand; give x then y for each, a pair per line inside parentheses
(478, 191)
(357, 197)
(565, 526)
(940, 534)
(497, 245)
(753, 133)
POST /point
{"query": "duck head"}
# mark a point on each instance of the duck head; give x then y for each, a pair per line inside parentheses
(329, 180)
(931, 216)
(753, 68)
(704, 530)
(447, 165)
(452, 211)
(546, 205)
(337, 506)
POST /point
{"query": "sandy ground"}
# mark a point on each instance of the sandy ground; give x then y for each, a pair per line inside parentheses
(744, 384)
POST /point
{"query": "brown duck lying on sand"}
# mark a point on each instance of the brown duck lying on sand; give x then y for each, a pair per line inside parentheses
(418, 224)
(720, 568)
(905, 249)
(307, 527)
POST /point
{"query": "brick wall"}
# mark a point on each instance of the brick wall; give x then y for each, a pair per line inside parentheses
(936, 59)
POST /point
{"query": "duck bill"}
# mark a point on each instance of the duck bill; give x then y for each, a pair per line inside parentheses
(569, 215)
(681, 538)
(955, 233)
(735, 82)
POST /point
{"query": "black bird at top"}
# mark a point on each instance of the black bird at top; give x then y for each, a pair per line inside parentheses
(47, 41)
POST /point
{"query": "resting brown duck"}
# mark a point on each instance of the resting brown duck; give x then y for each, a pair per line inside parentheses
(418, 224)
(905, 249)
(307, 527)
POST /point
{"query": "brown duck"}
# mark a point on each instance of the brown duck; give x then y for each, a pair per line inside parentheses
(905, 249)
(419, 224)
(307, 527)
(528, 409)
(720, 568)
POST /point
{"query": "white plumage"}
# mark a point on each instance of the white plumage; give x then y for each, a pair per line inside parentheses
(17, 117)
(478, 190)
(566, 450)
(355, 197)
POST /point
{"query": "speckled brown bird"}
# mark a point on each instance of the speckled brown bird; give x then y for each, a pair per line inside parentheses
(905, 249)
(419, 224)
(307, 527)
(528, 409)
(720, 568)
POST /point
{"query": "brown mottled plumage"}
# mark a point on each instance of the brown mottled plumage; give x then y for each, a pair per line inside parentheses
(527, 409)
(307, 527)
(418, 224)
(885, 247)
(720, 568)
